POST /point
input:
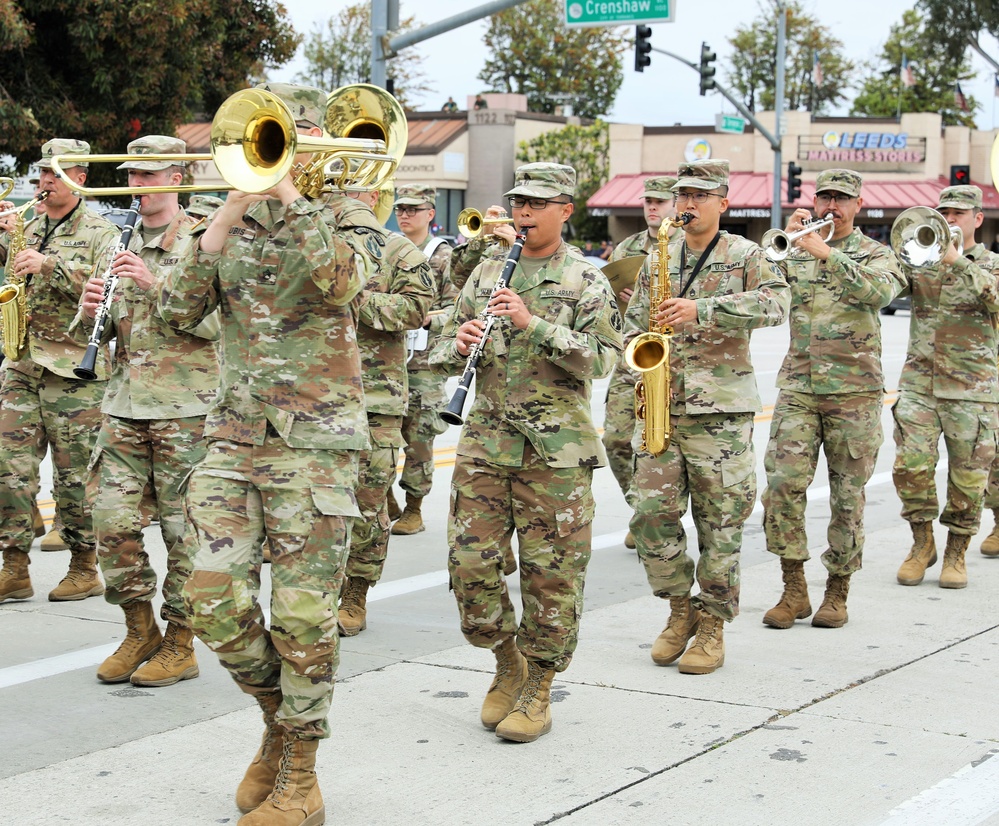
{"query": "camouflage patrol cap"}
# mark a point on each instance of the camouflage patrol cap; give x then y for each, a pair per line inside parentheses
(960, 197)
(204, 205)
(416, 195)
(155, 145)
(307, 103)
(659, 186)
(63, 146)
(839, 180)
(705, 174)
(544, 180)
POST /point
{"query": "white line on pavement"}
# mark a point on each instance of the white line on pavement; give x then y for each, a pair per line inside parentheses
(968, 797)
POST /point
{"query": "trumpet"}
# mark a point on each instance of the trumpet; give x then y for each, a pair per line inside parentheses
(777, 244)
(471, 223)
(21, 210)
(254, 143)
(920, 237)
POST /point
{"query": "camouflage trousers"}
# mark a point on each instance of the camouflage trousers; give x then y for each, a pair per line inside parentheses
(370, 537)
(711, 462)
(63, 415)
(420, 426)
(301, 503)
(552, 511)
(969, 431)
(848, 428)
(137, 475)
(619, 424)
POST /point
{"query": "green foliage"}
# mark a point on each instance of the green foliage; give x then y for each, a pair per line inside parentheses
(535, 54)
(754, 62)
(952, 22)
(935, 72)
(339, 53)
(587, 150)
(106, 71)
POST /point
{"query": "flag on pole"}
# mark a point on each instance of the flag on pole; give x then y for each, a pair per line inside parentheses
(908, 76)
(817, 71)
(960, 101)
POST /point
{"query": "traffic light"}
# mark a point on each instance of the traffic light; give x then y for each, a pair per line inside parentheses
(960, 174)
(793, 182)
(706, 69)
(642, 47)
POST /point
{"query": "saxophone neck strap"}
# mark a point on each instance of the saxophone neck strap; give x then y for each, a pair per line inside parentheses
(700, 262)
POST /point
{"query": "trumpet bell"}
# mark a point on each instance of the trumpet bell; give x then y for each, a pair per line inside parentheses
(471, 223)
(920, 237)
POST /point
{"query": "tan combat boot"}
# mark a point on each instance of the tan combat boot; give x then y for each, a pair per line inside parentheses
(37, 523)
(953, 573)
(258, 782)
(990, 545)
(81, 581)
(832, 612)
(707, 651)
(296, 799)
(411, 520)
(794, 602)
(174, 661)
(142, 640)
(15, 583)
(680, 627)
(629, 541)
(532, 716)
(53, 541)
(511, 674)
(922, 556)
(352, 616)
(394, 511)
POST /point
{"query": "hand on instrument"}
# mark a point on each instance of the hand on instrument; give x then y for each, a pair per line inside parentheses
(127, 264)
(28, 262)
(503, 233)
(7, 222)
(676, 312)
(469, 334)
(284, 191)
(93, 292)
(506, 302)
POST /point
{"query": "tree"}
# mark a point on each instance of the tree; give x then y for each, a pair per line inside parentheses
(587, 150)
(535, 54)
(954, 22)
(882, 93)
(754, 63)
(339, 54)
(107, 71)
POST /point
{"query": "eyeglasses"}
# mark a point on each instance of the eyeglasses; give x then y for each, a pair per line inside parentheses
(697, 197)
(838, 197)
(537, 204)
(410, 211)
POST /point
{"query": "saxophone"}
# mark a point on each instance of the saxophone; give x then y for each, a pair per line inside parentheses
(648, 353)
(14, 292)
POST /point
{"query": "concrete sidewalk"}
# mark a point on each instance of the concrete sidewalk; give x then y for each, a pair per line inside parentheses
(807, 726)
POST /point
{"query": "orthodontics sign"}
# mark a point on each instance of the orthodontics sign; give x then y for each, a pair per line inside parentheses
(881, 151)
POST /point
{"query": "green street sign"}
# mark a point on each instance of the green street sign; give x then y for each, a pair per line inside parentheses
(618, 12)
(730, 123)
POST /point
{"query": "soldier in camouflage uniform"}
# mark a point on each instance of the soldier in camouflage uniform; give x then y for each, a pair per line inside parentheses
(528, 449)
(281, 464)
(723, 287)
(949, 385)
(152, 435)
(414, 210)
(831, 395)
(466, 257)
(41, 400)
(619, 415)
(395, 299)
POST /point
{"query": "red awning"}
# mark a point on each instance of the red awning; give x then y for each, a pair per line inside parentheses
(753, 190)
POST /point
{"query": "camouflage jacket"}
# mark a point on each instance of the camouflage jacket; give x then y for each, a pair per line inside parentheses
(76, 248)
(421, 377)
(159, 372)
(641, 243)
(952, 331)
(835, 324)
(736, 291)
(534, 384)
(466, 257)
(283, 282)
(395, 298)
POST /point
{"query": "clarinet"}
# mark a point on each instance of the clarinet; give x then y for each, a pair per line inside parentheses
(86, 368)
(452, 415)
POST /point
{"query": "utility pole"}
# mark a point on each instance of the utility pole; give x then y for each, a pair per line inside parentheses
(775, 210)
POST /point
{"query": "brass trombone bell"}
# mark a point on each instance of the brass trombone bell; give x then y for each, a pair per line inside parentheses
(8, 187)
(471, 223)
(920, 237)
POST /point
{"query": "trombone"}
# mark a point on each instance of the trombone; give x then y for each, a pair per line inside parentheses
(777, 244)
(8, 187)
(920, 237)
(254, 143)
(471, 223)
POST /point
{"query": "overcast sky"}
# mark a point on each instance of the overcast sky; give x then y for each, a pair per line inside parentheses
(667, 91)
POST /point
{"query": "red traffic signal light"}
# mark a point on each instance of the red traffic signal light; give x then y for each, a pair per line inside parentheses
(960, 175)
